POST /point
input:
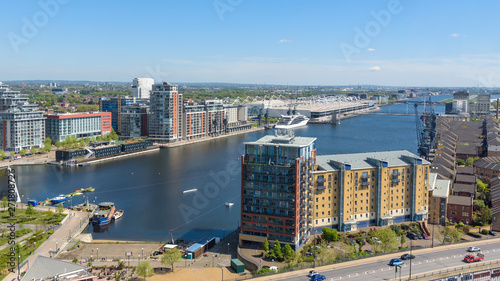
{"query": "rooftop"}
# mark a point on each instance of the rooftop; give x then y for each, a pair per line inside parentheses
(460, 200)
(360, 160)
(45, 268)
(441, 188)
(283, 140)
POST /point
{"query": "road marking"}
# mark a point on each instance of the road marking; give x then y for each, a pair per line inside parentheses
(339, 277)
(487, 251)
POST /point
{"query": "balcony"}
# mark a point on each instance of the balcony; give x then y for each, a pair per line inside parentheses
(321, 187)
(396, 173)
(365, 176)
(365, 182)
(321, 180)
(395, 180)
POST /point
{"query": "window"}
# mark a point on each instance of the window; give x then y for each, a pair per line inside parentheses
(465, 214)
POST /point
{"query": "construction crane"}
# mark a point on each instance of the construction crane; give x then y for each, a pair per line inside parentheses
(426, 131)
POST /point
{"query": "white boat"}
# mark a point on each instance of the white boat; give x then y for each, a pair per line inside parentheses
(291, 121)
(229, 204)
(118, 214)
(190, 190)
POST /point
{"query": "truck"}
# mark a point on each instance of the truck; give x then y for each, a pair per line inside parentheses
(474, 257)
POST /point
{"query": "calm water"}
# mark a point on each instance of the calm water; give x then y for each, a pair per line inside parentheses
(150, 187)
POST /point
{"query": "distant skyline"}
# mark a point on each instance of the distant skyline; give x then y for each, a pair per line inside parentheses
(389, 43)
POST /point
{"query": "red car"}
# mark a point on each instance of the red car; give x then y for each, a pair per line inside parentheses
(426, 237)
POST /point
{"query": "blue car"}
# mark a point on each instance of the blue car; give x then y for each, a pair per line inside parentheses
(318, 277)
(396, 262)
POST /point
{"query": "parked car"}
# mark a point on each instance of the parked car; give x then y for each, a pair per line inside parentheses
(312, 273)
(8, 157)
(420, 236)
(412, 236)
(407, 257)
(352, 242)
(426, 237)
(369, 252)
(318, 277)
(473, 249)
(273, 268)
(17, 157)
(376, 240)
(396, 262)
(491, 232)
(359, 240)
(27, 154)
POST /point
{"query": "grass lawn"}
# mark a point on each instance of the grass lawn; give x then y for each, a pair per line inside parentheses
(21, 217)
(19, 233)
(23, 249)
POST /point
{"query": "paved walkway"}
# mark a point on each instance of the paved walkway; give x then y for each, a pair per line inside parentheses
(73, 225)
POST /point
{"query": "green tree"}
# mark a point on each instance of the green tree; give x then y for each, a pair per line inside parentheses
(2, 154)
(22, 152)
(60, 208)
(460, 162)
(388, 239)
(33, 150)
(30, 210)
(144, 269)
(277, 250)
(403, 240)
(470, 161)
(288, 253)
(265, 245)
(5, 202)
(120, 265)
(47, 141)
(479, 205)
(75, 260)
(170, 257)
(12, 153)
(58, 144)
(329, 234)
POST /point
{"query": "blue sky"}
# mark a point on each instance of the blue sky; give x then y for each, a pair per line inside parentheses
(390, 42)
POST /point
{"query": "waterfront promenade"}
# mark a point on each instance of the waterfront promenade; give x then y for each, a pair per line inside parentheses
(187, 142)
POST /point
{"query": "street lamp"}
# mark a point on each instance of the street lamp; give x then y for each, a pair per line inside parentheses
(57, 249)
(434, 224)
(228, 248)
(142, 253)
(222, 271)
(411, 257)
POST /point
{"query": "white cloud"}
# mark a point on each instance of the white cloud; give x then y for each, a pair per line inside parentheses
(370, 50)
(454, 35)
(285, 41)
(375, 68)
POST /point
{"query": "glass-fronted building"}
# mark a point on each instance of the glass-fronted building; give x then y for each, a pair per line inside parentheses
(276, 189)
(21, 125)
(80, 125)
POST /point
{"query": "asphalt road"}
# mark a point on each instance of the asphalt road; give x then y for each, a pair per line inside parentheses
(379, 269)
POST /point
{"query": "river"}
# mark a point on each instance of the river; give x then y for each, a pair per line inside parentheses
(149, 187)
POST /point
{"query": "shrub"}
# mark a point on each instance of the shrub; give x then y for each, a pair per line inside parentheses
(475, 234)
(484, 231)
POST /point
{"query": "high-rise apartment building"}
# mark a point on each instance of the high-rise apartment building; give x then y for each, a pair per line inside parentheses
(165, 113)
(360, 190)
(21, 125)
(141, 87)
(134, 121)
(80, 125)
(276, 189)
(115, 105)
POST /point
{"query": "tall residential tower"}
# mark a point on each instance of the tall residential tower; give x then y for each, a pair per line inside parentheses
(276, 189)
(165, 119)
(141, 87)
